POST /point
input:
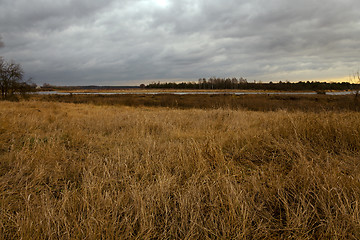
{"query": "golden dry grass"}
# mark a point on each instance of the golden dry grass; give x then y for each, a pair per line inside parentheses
(89, 172)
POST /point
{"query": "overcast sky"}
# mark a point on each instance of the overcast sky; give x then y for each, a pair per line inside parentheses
(128, 42)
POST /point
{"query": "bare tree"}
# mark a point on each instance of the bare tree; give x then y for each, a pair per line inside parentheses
(11, 79)
(355, 78)
(1, 42)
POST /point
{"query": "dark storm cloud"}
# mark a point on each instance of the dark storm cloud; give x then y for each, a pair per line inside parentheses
(129, 42)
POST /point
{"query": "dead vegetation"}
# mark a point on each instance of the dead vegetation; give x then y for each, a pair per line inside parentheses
(76, 171)
(253, 102)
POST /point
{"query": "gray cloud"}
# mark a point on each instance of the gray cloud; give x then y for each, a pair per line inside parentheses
(80, 42)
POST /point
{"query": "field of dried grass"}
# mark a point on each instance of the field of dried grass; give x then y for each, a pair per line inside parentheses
(80, 171)
(255, 102)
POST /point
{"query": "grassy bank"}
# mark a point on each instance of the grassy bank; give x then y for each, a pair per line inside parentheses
(75, 171)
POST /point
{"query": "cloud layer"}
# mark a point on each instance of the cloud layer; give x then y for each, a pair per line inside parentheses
(81, 42)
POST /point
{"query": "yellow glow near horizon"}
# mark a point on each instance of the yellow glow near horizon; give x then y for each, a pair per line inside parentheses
(329, 80)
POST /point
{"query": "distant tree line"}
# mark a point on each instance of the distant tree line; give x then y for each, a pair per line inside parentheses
(243, 84)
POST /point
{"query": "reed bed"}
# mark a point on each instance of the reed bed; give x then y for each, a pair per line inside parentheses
(81, 171)
(252, 102)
